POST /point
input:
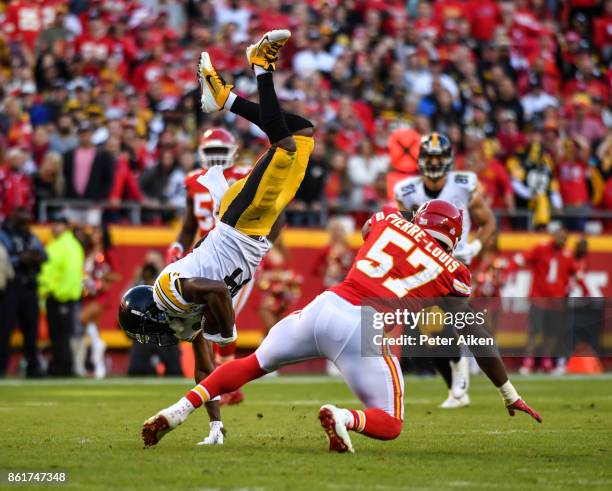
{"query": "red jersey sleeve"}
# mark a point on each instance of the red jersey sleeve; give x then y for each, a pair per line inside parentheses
(461, 283)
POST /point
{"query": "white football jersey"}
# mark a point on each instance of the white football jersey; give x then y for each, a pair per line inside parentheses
(225, 255)
(458, 190)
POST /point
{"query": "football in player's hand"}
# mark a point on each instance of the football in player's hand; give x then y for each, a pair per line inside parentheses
(209, 323)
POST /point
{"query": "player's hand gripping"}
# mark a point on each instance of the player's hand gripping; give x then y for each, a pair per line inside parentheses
(521, 405)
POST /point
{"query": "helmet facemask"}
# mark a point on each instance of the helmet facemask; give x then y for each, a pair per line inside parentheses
(435, 156)
(212, 155)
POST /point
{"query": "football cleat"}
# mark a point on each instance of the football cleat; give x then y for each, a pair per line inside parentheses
(232, 398)
(264, 53)
(214, 89)
(155, 428)
(460, 376)
(334, 423)
(454, 403)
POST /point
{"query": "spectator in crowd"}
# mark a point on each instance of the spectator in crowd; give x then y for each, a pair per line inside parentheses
(336, 259)
(337, 188)
(49, 180)
(16, 190)
(359, 70)
(63, 139)
(19, 301)
(61, 284)
(574, 175)
(88, 171)
(363, 169)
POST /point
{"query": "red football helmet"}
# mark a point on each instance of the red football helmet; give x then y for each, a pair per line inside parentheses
(442, 220)
(217, 147)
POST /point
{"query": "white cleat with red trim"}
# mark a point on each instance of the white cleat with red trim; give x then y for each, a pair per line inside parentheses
(334, 421)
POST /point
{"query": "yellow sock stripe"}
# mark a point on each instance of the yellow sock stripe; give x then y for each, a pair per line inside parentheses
(397, 388)
(360, 426)
(202, 393)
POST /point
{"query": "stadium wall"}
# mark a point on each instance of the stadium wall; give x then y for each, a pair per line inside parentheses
(305, 246)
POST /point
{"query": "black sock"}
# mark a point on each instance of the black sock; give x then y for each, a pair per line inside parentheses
(442, 364)
(270, 113)
(249, 110)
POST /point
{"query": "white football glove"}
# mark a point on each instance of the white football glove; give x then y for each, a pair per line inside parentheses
(220, 340)
(216, 435)
(469, 251)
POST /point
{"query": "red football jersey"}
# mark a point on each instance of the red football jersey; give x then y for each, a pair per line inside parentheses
(401, 260)
(202, 199)
(551, 269)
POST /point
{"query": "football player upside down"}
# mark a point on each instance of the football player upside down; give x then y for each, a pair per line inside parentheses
(217, 148)
(195, 292)
(400, 259)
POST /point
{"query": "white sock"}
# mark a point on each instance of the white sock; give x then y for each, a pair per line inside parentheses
(179, 412)
(259, 70)
(216, 425)
(230, 100)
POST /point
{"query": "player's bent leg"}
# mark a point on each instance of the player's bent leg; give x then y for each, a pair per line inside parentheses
(304, 147)
(250, 205)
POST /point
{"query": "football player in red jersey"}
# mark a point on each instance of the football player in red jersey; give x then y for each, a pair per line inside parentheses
(217, 147)
(400, 259)
(553, 266)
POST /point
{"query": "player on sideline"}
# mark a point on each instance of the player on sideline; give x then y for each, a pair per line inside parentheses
(217, 148)
(198, 288)
(438, 180)
(399, 259)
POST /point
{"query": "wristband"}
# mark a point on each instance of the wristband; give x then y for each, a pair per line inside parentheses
(508, 393)
(476, 246)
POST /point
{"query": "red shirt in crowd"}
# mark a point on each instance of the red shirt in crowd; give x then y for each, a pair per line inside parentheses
(496, 182)
(573, 177)
(552, 268)
(15, 190)
(484, 18)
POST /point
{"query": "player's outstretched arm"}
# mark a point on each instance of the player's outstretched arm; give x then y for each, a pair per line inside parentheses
(489, 361)
(214, 294)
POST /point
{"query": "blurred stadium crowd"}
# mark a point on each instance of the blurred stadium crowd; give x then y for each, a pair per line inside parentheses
(99, 99)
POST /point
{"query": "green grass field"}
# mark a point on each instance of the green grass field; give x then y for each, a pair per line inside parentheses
(91, 429)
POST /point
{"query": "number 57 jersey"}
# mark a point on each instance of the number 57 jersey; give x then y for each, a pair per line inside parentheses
(401, 260)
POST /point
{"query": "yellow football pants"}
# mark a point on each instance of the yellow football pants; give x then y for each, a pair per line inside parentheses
(252, 204)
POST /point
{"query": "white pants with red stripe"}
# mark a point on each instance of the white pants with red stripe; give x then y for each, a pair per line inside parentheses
(330, 327)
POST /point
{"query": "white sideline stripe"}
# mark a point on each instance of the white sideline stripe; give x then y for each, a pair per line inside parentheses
(280, 380)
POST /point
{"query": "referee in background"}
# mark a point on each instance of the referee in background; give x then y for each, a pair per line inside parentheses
(61, 283)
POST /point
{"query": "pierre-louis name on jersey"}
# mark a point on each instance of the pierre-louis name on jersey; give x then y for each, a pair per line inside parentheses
(457, 190)
(401, 260)
(202, 199)
(225, 255)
